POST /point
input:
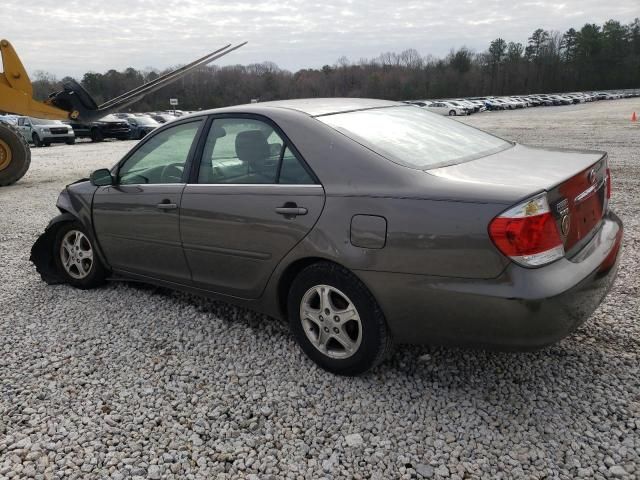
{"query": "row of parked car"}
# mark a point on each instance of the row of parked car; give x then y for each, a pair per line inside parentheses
(121, 126)
(467, 106)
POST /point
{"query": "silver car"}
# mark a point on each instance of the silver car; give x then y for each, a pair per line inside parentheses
(43, 133)
(361, 222)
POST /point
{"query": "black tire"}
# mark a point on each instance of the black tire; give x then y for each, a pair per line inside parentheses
(375, 343)
(96, 275)
(71, 142)
(36, 140)
(47, 144)
(452, 113)
(16, 165)
(96, 135)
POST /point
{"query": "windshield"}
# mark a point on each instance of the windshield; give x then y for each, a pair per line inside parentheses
(41, 121)
(414, 137)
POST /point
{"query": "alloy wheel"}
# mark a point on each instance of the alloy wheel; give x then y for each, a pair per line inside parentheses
(331, 321)
(76, 254)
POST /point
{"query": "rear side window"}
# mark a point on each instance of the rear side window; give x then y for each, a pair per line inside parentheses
(414, 137)
(249, 151)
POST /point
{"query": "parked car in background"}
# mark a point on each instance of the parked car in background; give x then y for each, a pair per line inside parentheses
(43, 133)
(446, 108)
(493, 103)
(162, 117)
(361, 222)
(418, 103)
(468, 109)
(107, 127)
(481, 107)
(471, 106)
(544, 100)
(141, 125)
(10, 119)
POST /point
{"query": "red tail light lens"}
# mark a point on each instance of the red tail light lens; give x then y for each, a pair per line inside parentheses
(608, 174)
(527, 233)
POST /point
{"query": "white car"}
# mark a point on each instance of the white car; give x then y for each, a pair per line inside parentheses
(479, 104)
(473, 107)
(446, 108)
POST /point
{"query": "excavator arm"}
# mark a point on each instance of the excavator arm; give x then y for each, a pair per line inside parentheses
(16, 91)
(72, 103)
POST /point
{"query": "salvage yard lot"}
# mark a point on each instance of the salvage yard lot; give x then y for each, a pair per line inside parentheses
(129, 380)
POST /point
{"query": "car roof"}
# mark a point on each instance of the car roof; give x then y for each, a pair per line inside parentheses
(311, 106)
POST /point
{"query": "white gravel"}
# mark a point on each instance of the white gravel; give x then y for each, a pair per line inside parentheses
(135, 382)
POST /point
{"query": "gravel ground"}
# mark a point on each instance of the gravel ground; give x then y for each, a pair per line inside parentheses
(135, 382)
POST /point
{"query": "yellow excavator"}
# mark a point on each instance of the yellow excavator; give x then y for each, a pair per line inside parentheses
(72, 103)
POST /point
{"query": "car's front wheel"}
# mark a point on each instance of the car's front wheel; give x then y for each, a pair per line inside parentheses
(36, 140)
(336, 320)
(452, 113)
(76, 258)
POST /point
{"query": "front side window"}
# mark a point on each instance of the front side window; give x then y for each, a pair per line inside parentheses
(248, 151)
(162, 158)
(414, 137)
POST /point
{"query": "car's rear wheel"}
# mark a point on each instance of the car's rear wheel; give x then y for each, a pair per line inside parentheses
(452, 113)
(76, 258)
(336, 320)
(96, 135)
(71, 142)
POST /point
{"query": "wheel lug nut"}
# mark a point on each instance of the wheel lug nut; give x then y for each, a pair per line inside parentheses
(335, 329)
(326, 329)
(336, 318)
(321, 318)
(326, 311)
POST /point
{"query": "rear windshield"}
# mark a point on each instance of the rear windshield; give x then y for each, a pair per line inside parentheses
(414, 137)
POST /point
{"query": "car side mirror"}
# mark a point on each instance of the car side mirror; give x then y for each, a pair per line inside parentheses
(101, 178)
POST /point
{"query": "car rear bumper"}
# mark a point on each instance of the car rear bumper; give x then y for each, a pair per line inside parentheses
(522, 309)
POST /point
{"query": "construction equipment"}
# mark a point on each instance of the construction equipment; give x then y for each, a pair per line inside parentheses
(72, 103)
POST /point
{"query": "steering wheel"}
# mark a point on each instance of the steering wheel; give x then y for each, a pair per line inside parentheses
(172, 173)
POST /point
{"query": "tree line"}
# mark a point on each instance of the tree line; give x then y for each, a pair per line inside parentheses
(595, 57)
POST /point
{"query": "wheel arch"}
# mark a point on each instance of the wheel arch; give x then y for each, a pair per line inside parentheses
(292, 270)
(42, 251)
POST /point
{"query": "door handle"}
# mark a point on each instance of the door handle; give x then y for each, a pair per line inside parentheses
(290, 209)
(165, 205)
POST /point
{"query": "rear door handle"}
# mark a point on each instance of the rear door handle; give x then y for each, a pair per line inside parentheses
(291, 211)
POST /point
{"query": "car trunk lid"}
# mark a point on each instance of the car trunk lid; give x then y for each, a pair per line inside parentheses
(575, 182)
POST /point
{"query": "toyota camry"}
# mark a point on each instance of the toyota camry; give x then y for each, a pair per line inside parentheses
(363, 223)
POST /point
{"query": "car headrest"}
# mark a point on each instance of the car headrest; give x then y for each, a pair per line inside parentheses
(252, 146)
(218, 132)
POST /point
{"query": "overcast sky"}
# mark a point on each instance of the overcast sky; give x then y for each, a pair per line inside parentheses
(70, 37)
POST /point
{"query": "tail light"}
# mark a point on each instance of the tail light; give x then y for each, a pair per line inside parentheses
(527, 233)
(608, 179)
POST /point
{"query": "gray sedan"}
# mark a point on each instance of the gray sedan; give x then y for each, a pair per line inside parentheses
(362, 222)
